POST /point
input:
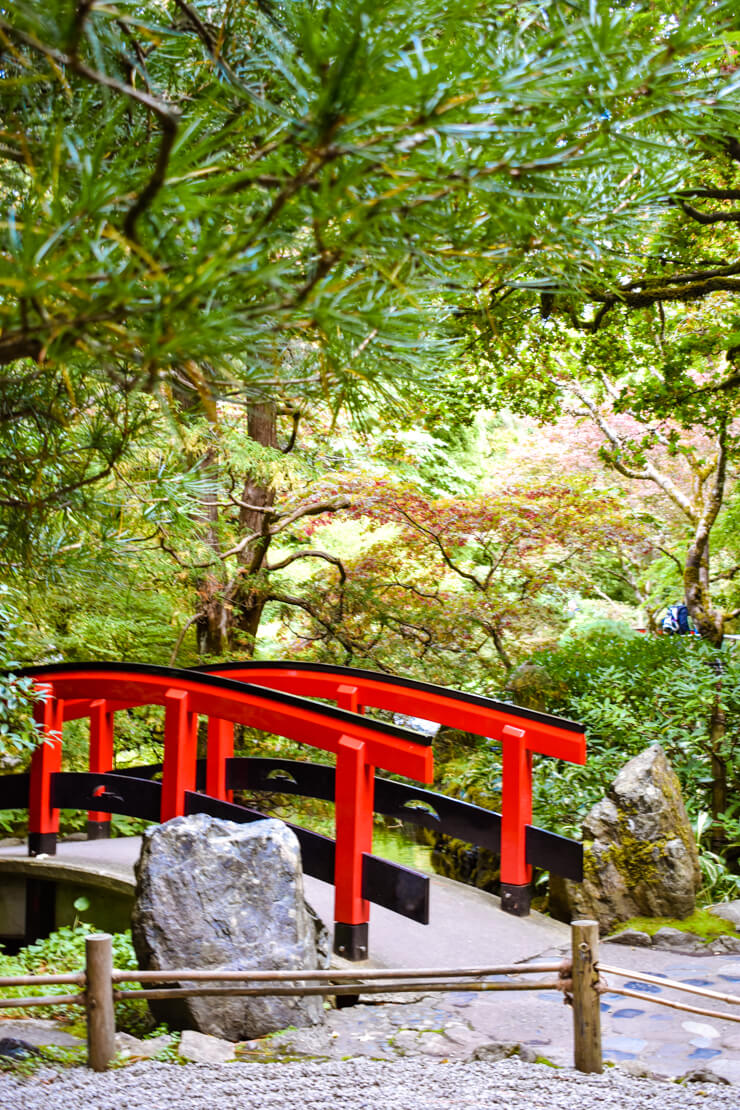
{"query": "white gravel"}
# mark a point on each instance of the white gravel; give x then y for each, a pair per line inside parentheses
(411, 1084)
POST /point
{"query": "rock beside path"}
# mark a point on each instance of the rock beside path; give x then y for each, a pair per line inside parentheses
(216, 894)
(640, 856)
(728, 911)
(200, 1048)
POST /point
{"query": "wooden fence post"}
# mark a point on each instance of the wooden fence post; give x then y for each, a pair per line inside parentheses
(586, 999)
(101, 1022)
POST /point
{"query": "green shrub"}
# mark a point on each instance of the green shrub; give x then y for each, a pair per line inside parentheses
(64, 950)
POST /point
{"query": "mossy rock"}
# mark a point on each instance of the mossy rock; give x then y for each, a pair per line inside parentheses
(640, 857)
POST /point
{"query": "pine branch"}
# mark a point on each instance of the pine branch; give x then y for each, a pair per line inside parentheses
(167, 115)
(710, 217)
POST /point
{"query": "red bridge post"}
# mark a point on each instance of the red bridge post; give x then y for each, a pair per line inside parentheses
(101, 760)
(43, 819)
(180, 752)
(516, 814)
(353, 816)
(220, 748)
(355, 779)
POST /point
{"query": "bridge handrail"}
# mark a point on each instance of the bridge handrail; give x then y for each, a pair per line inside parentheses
(546, 734)
(63, 676)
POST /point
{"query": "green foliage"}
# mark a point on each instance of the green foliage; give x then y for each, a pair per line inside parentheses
(18, 731)
(701, 923)
(630, 693)
(215, 200)
(63, 951)
(59, 1056)
(599, 630)
(719, 882)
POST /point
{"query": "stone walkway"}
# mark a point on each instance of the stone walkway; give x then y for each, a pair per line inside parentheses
(637, 1034)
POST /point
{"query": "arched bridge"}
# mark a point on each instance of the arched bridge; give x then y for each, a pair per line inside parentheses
(279, 698)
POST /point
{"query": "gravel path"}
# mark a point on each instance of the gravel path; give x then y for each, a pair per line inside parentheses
(355, 1085)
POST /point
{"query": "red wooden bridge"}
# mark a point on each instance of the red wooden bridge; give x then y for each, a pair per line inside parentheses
(279, 698)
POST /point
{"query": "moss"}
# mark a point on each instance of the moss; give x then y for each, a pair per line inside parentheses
(634, 859)
(589, 863)
(76, 1028)
(701, 923)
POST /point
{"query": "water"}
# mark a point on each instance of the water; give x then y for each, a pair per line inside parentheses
(398, 847)
(396, 844)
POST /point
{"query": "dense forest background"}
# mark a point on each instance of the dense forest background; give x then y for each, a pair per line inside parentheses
(399, 336)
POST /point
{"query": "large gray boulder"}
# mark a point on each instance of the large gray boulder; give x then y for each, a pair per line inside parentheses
(640, 857)
(215, 894)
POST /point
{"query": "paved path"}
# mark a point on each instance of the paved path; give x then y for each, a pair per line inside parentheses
(467, 929)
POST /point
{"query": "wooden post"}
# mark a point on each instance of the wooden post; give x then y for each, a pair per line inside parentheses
(101, 1022)
(586, 999)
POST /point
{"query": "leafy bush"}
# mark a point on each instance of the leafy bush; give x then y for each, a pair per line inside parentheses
(19, 733)
(632, 692)
(64, 950)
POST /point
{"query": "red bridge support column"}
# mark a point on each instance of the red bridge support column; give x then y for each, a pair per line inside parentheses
(101, 760)
(180, 752)
(354, 833)
(516, 814)
(43, 819)
(220, 748)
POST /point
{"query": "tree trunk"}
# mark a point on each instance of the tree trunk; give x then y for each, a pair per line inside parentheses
(248, 599)
(708, 621)
(214, 618)
(229, 617)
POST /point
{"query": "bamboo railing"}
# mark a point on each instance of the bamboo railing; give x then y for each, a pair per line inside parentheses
(580, 979)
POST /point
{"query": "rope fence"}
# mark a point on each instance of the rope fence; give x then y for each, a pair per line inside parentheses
(580, 978)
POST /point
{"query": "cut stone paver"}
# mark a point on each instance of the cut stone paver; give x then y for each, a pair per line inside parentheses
(202, 1048)
(36, 1031)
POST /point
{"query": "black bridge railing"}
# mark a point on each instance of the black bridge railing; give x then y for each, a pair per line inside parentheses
(134, 792)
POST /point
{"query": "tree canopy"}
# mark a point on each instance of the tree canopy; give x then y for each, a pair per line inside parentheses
(297, 196)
